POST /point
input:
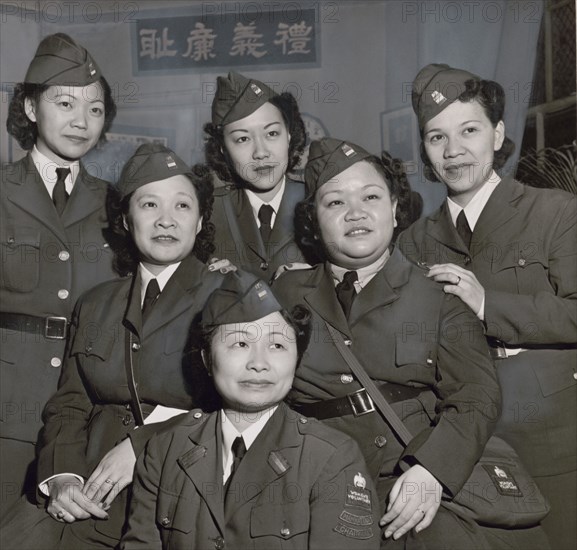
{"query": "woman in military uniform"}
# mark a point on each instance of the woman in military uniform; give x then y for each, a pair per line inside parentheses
(423, 349)
(128, 356)
(52, 221)
(255, 138)
(253, 474)
(509, 252)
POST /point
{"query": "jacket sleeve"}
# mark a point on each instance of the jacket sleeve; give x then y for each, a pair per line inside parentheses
(344, 508)
(142, 532)
(468, 400)
(548, 316)
(66, 416)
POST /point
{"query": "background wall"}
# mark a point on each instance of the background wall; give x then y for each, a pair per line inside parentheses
(358, 87)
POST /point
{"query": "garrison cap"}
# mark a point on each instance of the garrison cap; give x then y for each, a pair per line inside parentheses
(435, 88)
(238, 97)
(151, 162)
(59, 60)
(241, 298)
(329, 157)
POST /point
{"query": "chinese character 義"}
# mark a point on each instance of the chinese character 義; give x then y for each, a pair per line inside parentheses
(246, 41)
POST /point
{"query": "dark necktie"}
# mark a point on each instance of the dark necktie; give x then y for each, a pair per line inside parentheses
(238, 449)
(150, 296)
(346, 291)
(59, 194)
(464, 229)
(265, 217)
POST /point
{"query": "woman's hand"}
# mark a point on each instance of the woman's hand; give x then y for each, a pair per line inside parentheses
(413, 502)
(462, 283)
(224, 266)
(68, 503)
(113, 474)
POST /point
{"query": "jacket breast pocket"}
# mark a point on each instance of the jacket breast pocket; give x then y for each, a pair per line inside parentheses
(525, 271)
(417, 356)
(280, 525)
(20, 258)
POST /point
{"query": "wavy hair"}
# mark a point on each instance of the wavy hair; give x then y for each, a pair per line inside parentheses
(409, 207)
(127, 255)
(491, 96)
(218, 158)
(25, 131)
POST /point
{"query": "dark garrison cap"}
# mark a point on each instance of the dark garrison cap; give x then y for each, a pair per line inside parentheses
(242, 298)
(59, 60)
(150, 162)
(238, 97)
(435, 88)
(329, 157)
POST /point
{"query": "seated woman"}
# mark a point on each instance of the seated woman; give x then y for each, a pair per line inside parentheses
(127, 355)
(509, 251)
(253, 474)
(424, 350)
(255, 138)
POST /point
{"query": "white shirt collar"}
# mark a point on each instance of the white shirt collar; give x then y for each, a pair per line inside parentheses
(256, 202)
(476, 204)
(365, 274)
(162, 278)
(47, 170)
(230, 433)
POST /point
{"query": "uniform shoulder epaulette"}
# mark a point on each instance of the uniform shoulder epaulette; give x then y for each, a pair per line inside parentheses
(314, 427)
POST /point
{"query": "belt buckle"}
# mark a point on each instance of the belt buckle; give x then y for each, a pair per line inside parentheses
(499, 350)
(361, 402)
(55, 328)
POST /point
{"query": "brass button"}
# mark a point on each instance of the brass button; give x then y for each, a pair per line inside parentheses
(575, 375)
(346, 378)
(11, 240)
(197, 415)
(522, 262)
(380, 441)
(135, 346)
(127, 420)
(303, 420)
(55, 362)
(165, 522)
(348, 343)
(219, 543)
(63, 294)
(63, 255)
(264, 266)
(468, 260)
(88, 348)
(127, 406)
(285, 531)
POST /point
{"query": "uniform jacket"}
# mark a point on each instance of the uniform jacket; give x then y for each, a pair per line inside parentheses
(403, 329)
(238, 237)
(91, 412)
(300, 485)
(47, 263)
(524, 253)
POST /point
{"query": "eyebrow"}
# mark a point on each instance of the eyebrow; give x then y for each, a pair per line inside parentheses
(462, 124)
(264, 127)
(364, 188)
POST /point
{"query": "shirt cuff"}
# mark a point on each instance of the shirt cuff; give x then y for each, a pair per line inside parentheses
(43, 485)
(481, 312)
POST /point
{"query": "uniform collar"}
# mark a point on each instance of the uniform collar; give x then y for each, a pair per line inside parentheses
(47, 170)
(162, 278)
(364, 274)
(256, 202)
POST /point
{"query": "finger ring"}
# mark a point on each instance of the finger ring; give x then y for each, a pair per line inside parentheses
(458, 280)
(109, 481)
(60, 514)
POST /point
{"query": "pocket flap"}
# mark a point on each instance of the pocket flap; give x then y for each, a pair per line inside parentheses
(409, 352)
(280, 520)
(18, 236)
(97, 344)
(170, 516)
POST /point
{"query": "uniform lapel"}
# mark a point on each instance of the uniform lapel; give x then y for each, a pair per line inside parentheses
(441, 228)
(177, 296)
(86, 198)
(323, 298)
(381, 290)
(273, 453)
(133, 314)
(246, 223)
(29, 193)
(283, 229)
(498, 210)
(203, 465)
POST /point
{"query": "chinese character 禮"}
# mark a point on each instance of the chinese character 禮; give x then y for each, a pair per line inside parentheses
(294, 38)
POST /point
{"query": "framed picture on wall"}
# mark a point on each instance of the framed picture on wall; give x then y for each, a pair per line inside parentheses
(400, 137)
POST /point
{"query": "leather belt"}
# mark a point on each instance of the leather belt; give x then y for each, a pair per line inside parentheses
(356, 403)
(499, 350)
(53, 328)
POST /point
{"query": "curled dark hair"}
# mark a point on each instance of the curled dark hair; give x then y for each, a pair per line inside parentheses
(219, 160)
(298, 318)
(127, 255)
(409, 207)
(25, 131)
(491, 97)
